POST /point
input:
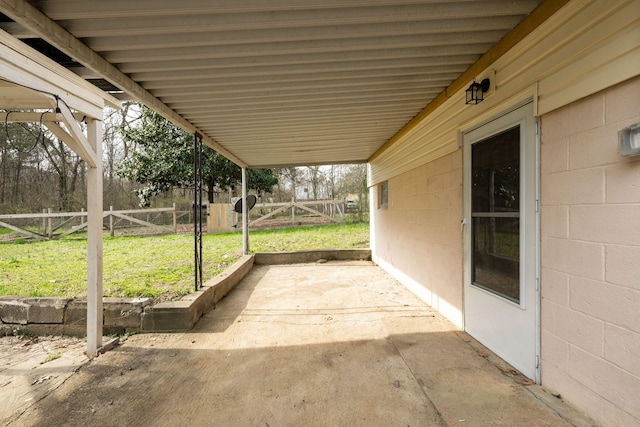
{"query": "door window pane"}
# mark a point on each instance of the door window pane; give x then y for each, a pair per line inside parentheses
(496, 255)
(495, 205)
(496, 173)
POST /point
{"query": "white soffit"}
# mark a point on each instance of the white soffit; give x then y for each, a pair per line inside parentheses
(279, 83)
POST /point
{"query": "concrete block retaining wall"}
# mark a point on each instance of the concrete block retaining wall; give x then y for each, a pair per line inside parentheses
(44, 316)
(64, 316)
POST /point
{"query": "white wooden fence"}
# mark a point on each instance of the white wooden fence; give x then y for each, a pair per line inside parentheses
(335, 208)
(115, 216)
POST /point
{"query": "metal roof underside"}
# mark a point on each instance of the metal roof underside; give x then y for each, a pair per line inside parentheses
(279, 83)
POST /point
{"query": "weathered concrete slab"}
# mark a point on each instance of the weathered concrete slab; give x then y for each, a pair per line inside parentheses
(331, 344)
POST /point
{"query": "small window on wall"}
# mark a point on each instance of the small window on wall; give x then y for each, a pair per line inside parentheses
(383, 199)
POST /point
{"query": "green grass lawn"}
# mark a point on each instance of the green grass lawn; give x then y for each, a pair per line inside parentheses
(160, 267)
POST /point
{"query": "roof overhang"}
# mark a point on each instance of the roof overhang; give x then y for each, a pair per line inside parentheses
(279, 83)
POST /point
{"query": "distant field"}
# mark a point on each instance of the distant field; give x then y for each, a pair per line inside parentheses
(160, 267)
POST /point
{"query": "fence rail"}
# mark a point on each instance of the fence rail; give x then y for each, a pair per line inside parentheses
(336, 208)
(114, 216)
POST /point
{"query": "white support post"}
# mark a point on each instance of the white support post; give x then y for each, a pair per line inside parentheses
(245, 214)
(94, 241)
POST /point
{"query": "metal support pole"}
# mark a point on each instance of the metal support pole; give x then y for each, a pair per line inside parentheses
(197, 208)
(245, 214)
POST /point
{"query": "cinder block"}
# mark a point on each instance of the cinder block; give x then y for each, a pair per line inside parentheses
(76, 313)
(573, 257)
(586, 114)
(555, 125)
(577, 329)
(555, 286)
(617, 224)
(610, 303)
(623, 265)
(623, 101)
(14, 311)
(124, 312)
(452, 180)
(555, 221)
(46, 310)
(435, 184)
(619, 386)
(574, 187)
(595, 148)
(622, 183)
(456, 159)
(622, 347)
(168, 317)
(554, 350)
(554, 154)
(443, 164)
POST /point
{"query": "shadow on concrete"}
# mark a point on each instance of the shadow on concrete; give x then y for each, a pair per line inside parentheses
(321, 345)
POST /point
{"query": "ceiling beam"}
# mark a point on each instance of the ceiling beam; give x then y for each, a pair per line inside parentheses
(83, 9)
(34, 20)
(302, 47)
(213, 20)
(217, 38)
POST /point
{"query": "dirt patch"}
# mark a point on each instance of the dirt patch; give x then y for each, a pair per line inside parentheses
(33, 367)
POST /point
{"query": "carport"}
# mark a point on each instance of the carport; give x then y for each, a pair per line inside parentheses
(267, 84)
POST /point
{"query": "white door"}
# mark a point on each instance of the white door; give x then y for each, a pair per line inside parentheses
(500, 238)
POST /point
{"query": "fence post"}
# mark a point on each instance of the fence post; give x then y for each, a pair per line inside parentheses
(44, 222)
(111, 230)
(81, 216)
(50, 230)
(175, 218)
(293, 210)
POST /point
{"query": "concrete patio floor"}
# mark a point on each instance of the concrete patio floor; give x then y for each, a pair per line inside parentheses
(334, 344)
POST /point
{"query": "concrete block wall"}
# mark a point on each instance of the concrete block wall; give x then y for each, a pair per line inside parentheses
(44, 316)
(590, 256)
(422, 247)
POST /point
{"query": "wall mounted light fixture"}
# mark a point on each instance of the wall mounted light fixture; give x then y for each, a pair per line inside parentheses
(475, 92)
(629, 141)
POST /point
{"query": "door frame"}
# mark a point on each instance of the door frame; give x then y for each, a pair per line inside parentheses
(533, 208)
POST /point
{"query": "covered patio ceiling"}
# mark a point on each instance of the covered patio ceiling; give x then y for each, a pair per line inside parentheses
(274, 83)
